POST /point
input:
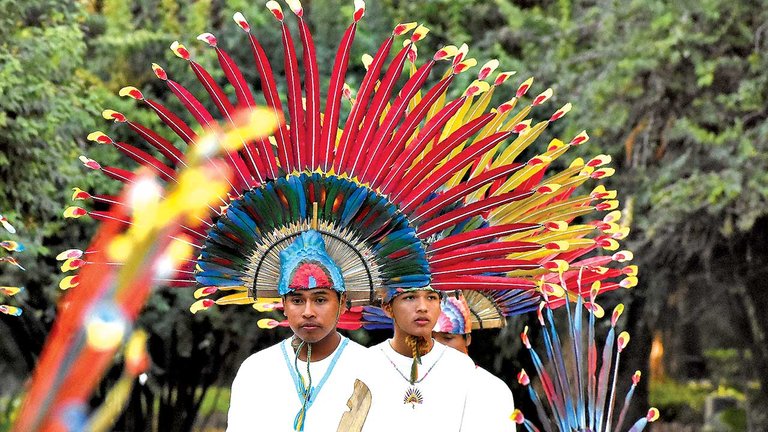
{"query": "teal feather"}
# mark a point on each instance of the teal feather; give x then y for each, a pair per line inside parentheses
(545, 423)
(625, 407)
(222, 236)
(602, 382)
(352, 205)
(217, 279)
(561, 372)
(244, 221)
(639, 425)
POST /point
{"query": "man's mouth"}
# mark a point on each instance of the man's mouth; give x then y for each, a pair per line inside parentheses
(310, 326)
(421, 321)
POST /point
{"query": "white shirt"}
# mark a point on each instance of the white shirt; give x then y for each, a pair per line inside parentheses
(491, 403)
(264, 395)
(443, 381)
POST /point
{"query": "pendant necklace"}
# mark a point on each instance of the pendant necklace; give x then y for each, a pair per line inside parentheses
(413, 395)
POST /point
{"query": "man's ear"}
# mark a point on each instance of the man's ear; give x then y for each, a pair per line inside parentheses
(387, 307)
(342, 303)
(469, 339)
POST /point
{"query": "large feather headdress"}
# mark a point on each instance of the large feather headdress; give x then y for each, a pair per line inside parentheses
(422, 185)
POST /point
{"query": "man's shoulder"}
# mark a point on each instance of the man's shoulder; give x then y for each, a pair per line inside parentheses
(457, 358)
(354, 346)
(491, 380)
(354, 350)
(266, 355)
(377, 351)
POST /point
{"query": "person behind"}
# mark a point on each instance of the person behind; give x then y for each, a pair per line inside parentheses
(490, 398)
(416, 383)
(304, 382)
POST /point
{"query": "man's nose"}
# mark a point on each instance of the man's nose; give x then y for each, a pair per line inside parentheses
(308, 311)
(421, 304)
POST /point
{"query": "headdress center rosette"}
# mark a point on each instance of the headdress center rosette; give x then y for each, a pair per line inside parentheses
(369, 241)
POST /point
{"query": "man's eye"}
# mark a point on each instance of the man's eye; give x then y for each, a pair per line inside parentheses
(409, 297)
(296, 301)
(321, 300)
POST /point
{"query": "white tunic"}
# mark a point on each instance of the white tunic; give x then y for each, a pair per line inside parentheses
(264, 395)
(491, 403)
(444, 381)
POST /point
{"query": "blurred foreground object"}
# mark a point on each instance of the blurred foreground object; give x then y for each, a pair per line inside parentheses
(143, 242)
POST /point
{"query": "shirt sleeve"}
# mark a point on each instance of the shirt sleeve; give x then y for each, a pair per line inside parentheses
(238, 418)
(489, 404)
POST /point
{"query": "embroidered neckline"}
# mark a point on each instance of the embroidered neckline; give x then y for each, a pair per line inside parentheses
(309, 394)
(425, 374)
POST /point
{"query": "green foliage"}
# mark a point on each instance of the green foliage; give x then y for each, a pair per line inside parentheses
(678, 401)
(735, 419)
(725, 365)
(216, 401)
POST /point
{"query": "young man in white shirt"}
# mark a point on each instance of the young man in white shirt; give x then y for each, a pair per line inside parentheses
(490, 400)
(304, 382)
(416, 383)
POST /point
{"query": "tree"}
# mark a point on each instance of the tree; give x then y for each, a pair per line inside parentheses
(47, 100)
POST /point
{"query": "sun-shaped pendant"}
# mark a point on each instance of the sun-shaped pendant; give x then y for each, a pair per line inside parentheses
(413, 397)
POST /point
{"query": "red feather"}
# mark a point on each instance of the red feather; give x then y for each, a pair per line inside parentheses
(429, 208)
(118, 174)
(395, 113)
(478, 236)
(295, 108)
(193, 105)
(214, 90)
(439, 152)
(145, 159)
(236, 79)
(487, 250)
(373, 113)
(358, 109)
(332, 106)
(431, 130)
(442, 174)
(161, 144)
(173, 121)
(312, 89)
(473, 282)
(269, 89)
(485, 266)
(455, 216)
(412, 120)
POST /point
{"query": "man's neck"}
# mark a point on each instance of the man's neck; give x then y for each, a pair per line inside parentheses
(401, 347)
(322, 348)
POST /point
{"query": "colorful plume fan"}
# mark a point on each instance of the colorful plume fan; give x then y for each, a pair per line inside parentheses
(578, 395)
(491, 308)
(416, 188)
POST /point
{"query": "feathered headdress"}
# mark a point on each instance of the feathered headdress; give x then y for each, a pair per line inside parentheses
(421, 186)
(455, 316)
(306, 265)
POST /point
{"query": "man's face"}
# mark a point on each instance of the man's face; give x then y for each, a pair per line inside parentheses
(312, 313)
(455, 341)
(415, 312)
